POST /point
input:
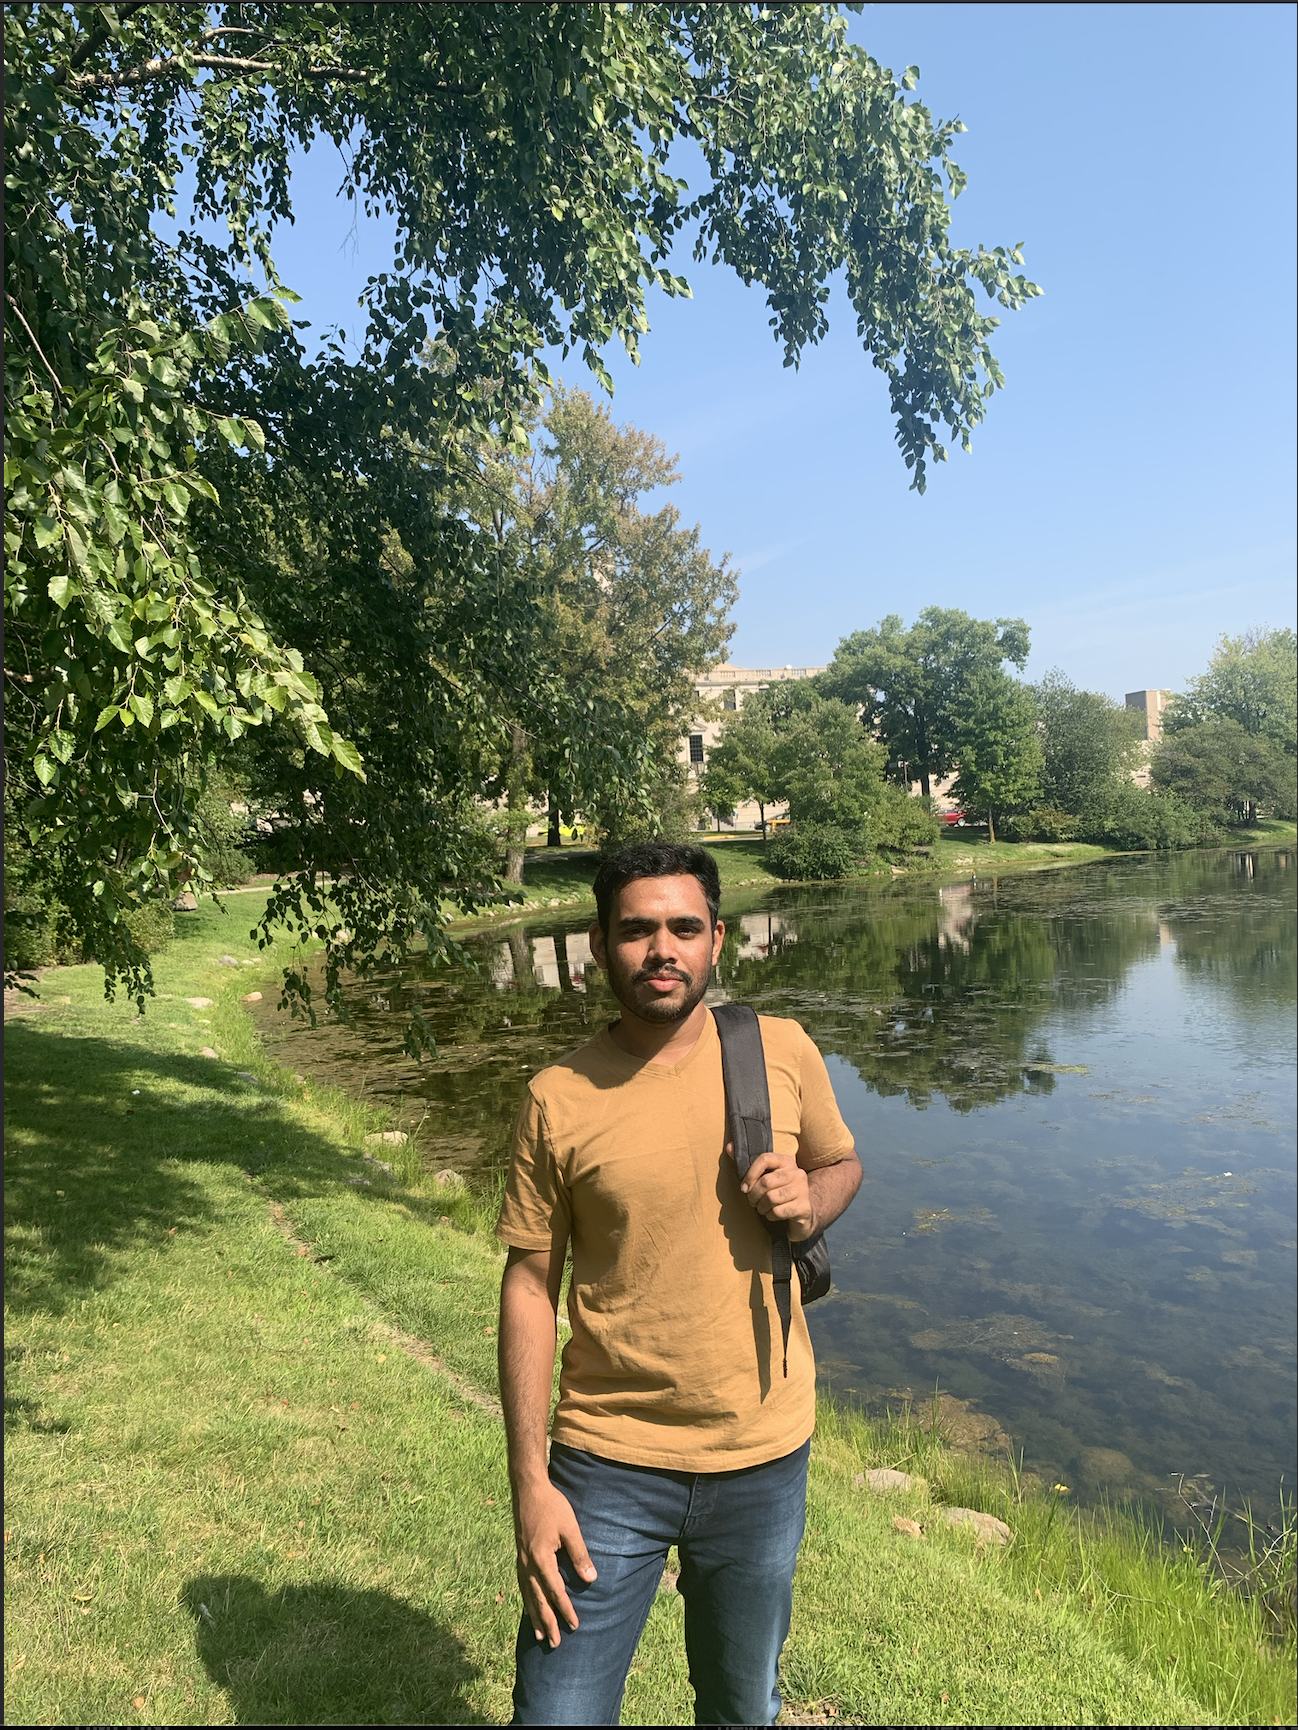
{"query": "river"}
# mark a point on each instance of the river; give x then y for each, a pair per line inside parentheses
(1073, 1095)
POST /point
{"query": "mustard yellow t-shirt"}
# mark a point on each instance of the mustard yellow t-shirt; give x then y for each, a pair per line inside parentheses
(675, 1359)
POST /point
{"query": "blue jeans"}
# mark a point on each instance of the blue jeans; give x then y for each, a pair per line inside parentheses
(737, 1534)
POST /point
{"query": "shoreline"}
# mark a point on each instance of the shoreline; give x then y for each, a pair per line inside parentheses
(252, 1372)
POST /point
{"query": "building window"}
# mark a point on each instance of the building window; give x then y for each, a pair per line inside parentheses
(728, 699)
(696, 747)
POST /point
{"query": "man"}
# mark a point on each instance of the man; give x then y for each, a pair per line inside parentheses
(677, 1421)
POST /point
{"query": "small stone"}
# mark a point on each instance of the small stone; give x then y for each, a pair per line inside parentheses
(185, 902)
(360, 1182)
(227, 961)
(387, 1138)
(199, 1002)
(379, 1165)
(883, 1481)
(208, 1052)
(907, 1528)
(248, 963)
(252, 997)
(444, 1219)
(986, 1527)
(449, 1179)
(247, 1075)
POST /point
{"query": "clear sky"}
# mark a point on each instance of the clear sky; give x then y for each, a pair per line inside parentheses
(1132, 491)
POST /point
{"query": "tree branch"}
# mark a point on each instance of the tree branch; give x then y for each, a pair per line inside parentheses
(18, 311)
(174, 66)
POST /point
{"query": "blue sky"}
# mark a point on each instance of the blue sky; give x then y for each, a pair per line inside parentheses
(1132, 491)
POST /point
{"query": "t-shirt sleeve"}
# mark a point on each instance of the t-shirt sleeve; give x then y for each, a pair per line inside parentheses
(823, 1137)
(536, 1212)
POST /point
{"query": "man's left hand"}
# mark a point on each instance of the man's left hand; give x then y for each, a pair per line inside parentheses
(778, 1187)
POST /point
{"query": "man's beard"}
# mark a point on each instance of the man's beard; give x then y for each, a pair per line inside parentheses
(656, 1011)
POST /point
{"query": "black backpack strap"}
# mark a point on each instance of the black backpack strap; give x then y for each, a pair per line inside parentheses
(748, 1130)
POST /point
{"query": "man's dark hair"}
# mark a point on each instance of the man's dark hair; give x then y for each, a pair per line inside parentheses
(656, 859)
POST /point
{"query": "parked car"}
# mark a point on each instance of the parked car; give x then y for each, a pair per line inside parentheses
(955, 817)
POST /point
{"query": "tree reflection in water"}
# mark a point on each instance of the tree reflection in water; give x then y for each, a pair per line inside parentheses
(1072, 1091)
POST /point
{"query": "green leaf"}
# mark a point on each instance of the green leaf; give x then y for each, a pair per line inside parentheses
(105, 716)
(141, 706)
(61, 589)
(348, 755)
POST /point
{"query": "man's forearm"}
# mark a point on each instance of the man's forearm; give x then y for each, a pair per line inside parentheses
(526, 1358)
(832, 1189)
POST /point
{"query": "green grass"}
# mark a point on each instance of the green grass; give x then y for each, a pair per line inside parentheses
(253, 1474)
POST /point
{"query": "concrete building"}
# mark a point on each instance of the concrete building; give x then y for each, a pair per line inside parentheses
(726, 687)
(1151, 705)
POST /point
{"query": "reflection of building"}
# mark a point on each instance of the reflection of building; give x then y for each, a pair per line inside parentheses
(727, 686)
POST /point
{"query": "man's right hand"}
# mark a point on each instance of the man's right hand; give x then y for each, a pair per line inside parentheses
(544, 1524)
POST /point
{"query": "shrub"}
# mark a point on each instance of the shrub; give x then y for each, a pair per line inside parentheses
(1044, 823)
(152, 925)
(898, 824)
(1125, 815)
(815, 851)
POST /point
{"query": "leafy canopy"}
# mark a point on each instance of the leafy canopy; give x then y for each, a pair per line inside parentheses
(217, 547)
(914, 686)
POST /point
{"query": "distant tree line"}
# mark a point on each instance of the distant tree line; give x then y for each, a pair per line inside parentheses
(901, 707)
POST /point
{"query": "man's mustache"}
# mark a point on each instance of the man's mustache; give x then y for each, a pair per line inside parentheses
(646, 973)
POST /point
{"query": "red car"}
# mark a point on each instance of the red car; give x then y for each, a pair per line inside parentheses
(951, 817)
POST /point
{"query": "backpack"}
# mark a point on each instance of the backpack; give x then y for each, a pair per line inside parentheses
(748, 1130)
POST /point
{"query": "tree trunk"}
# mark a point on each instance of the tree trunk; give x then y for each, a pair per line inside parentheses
(561, 956)
(516, 806)
(554, 834)
(991, 829)
(924, 785)
(521, 955)
(761, 811)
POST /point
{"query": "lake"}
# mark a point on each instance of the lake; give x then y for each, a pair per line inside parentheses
(1073, 1096)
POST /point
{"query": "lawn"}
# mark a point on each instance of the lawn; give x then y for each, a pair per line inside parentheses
(255, 1473)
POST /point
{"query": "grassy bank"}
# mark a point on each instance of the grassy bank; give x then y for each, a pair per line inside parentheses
(254, 1474)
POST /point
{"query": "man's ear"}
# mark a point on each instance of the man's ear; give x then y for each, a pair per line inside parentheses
(598, 947)
(718, 938)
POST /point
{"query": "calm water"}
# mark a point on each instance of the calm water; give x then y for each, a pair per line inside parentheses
(1073, 1094)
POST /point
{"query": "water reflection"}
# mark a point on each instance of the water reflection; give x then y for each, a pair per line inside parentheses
(1073, 1095)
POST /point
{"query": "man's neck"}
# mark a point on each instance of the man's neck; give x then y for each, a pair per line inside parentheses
(655, 1042)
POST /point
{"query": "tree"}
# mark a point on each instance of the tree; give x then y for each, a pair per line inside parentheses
(1220, 768)
(999, 747)
(1251, 680)
(1087, 742)
(629, 605)
(913, 686)
(217, 548)
(827, 766)
(742, 765)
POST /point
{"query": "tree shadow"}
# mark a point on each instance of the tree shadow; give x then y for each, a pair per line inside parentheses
(102, 1151)
(326, 1653)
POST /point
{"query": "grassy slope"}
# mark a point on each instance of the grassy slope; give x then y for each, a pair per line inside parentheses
(234, 1495)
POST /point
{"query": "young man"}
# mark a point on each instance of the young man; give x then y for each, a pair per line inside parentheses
(677, 1422)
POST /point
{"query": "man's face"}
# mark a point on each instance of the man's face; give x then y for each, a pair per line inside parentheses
(660, 949)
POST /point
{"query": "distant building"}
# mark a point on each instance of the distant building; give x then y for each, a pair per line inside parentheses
(727, 686)
(1151, 704)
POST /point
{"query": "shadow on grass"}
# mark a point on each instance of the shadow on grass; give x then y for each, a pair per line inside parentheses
(99, 1136)
(326, 1653)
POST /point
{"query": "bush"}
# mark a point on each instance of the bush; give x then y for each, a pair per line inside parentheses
(1126, 816)
(813, 851)
(152, 925)
(898, 824)
(1045, 823)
